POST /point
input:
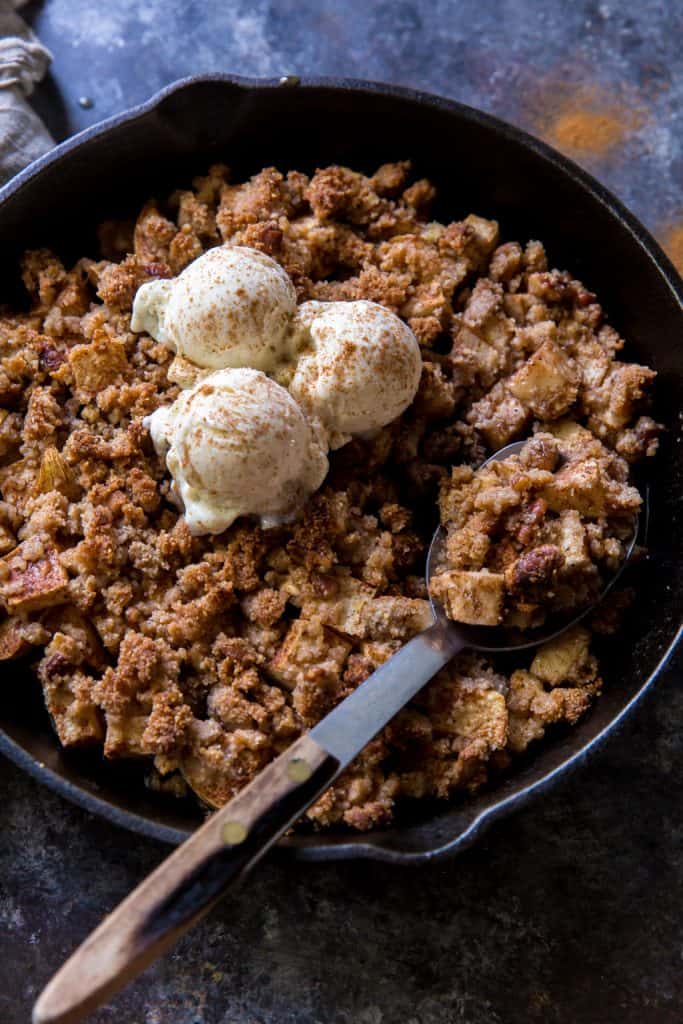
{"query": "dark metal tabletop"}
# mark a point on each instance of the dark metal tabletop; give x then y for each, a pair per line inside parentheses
(569, 913)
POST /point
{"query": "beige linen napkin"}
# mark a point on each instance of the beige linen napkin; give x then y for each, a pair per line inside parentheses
(23, 62)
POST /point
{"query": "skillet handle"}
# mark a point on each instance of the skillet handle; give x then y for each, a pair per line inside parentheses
(188, 883)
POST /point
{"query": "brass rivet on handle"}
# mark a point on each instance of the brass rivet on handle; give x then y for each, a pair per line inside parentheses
(289, 80)
(234, 833)
(299, 770)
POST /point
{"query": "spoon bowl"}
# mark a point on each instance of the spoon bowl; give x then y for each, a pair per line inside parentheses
(503, 639)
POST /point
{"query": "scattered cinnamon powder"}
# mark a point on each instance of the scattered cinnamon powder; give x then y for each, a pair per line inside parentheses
(586, 121)
(672, 243)
(588, 131)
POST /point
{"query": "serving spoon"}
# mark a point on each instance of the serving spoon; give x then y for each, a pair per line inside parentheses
(219, 854)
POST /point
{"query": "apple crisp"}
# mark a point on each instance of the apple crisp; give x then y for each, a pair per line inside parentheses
(208, 656)
(541, 532)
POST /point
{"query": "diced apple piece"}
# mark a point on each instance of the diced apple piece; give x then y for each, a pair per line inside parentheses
(547, 383)
(309, 644)
(475, 597)
(30, 586)
(561, 660)
(98, 364)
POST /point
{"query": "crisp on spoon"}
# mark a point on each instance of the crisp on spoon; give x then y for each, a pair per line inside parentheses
(220, 853)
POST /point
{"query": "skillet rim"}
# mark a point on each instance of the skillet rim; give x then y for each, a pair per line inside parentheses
(339, 846)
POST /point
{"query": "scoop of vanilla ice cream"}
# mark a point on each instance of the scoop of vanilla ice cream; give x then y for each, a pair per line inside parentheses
(232, 306)
(238, 444)
(360, 370)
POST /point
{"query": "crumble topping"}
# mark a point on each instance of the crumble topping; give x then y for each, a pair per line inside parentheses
(209, 656)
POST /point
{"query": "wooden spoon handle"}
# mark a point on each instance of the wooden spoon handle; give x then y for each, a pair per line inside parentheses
(186, 885)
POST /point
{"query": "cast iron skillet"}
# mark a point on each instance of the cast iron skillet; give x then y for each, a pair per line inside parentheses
(479, 164)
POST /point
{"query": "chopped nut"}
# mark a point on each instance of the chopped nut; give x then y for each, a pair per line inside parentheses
(537, 567)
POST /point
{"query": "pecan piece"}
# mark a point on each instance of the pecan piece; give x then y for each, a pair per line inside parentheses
(534, 568)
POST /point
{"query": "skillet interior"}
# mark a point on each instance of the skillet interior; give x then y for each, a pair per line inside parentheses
(478, 164)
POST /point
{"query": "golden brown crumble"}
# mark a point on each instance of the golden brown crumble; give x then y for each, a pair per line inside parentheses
(209, 656)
